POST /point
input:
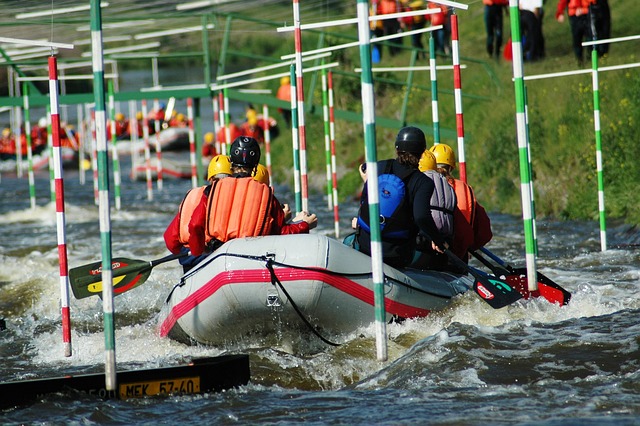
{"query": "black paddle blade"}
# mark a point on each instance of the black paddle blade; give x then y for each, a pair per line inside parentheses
(496, 292)
(86, 280)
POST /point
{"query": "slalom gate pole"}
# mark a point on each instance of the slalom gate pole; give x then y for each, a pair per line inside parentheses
(147, 149)
(523, 146)
(300, 99)
(158, 128)
(222, 125)
(334, 173)
(94, 157)
(17, 133)
(52, 185)
(327, 138)
(368, 121)
(81, 137)
(532, 195)
(227, 121)
(216, 125)
(114, 146)
(267, 140)
(27, 133)
(434, 89)
(457, 89)
(134, 137)
(192, 144)
(103, 175)
(59, 201)
(295, 141)
(596, 124)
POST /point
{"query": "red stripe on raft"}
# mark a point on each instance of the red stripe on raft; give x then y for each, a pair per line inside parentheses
(284, 274)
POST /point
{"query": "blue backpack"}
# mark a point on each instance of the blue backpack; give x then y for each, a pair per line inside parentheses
(396, 219)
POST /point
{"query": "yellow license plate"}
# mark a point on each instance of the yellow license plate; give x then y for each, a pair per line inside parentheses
(160, 387)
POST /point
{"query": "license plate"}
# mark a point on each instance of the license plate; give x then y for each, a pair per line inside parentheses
(160, 387)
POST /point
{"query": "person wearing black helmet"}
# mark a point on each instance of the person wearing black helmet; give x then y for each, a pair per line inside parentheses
(240, 206)
(404, 195)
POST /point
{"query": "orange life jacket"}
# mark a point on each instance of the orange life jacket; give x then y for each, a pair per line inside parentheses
(187, 207)
(466, 199)
(237, 208)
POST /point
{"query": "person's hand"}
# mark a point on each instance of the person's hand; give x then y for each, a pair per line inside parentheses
(287, 212)
(439, 249)
(354, 223)
(560, 18)
(311, 219)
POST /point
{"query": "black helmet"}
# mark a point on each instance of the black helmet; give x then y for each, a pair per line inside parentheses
(411, 139)
(245, 152)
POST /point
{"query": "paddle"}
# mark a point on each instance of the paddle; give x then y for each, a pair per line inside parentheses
(517, 277)
(86, 280)
(493, 290)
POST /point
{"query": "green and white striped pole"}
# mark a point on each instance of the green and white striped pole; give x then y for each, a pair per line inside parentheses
(369, 124)
(523, 147)
(295, 141)
(533, 198)
(27, 133)
(334, 171)
(103, 195)
(434, 90)
(596, 123)
(327, 137)
(114, 145)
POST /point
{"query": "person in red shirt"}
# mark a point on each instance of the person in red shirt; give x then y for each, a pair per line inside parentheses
(579, 21)
(213, 221)
(250, 127)
(177, 234)
(493, 14)
(209, 146)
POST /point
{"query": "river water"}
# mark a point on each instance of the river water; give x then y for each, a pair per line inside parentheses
(529, 363)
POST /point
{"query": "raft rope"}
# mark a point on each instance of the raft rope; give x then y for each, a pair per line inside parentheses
(275, 280)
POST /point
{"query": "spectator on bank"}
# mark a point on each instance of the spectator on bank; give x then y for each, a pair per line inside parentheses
(493, 24)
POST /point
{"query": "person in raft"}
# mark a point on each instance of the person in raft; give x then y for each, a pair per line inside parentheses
(241, 206)
(405, 196)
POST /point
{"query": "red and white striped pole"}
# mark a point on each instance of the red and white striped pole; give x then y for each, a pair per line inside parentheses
(192, 144)
(147, 149)
(223, 127)
(300, 98)
(334, 173)
(59, 197)
(267, 139)
(457, 90)
(158, 128)
(216, 124)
